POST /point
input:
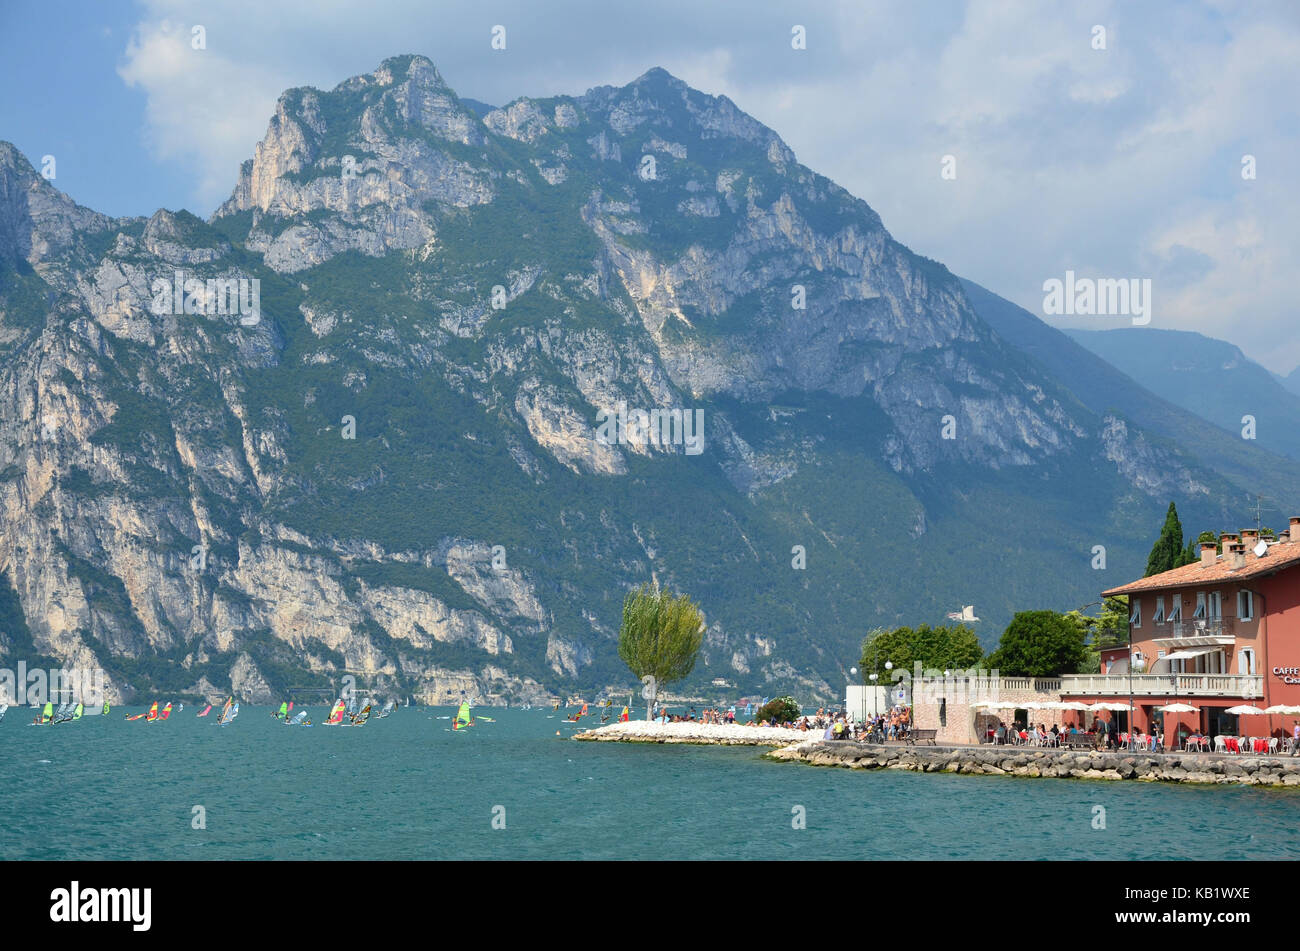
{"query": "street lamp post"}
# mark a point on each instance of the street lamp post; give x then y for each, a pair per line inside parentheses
(889, 666)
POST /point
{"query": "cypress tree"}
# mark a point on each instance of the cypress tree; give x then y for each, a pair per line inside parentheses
(1168, 551)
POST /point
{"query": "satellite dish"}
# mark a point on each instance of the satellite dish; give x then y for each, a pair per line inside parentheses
(1261, 549)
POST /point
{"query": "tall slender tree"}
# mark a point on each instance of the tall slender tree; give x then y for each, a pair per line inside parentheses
(1168, 551)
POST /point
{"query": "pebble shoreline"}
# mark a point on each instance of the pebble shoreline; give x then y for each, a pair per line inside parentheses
(797, 746)
(706, 734)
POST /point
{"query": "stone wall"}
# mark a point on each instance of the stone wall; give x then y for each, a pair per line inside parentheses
(962, 723)
(1011, 761)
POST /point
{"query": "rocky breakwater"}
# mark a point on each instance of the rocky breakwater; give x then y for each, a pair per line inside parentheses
(705, 734)
(1010, 761)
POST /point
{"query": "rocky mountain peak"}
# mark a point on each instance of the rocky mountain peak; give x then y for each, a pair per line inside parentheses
(36, 219)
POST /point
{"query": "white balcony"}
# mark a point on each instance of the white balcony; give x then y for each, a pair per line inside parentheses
(1244, 686)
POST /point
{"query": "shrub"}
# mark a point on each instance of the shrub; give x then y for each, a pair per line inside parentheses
(780, 710)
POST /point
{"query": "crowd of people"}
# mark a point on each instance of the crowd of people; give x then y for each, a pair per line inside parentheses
(1101, 735)
(893, 724)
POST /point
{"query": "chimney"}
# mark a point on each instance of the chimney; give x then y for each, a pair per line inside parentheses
(1227, 541)
(1293, 530)
(1249, 538)
(1284, 536)
(1207, 554)
(1238, 555)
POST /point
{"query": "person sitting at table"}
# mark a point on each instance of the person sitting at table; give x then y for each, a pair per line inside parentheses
(1000, 734)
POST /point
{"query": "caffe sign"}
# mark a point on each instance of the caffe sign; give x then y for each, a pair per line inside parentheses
(1289, 675)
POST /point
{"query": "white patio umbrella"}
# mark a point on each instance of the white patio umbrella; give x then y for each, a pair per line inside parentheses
(1282, 708)
(1244, 709)
(1074, 705)
(1181, 708)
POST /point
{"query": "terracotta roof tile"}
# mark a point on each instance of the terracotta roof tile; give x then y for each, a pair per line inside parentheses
(1280, 555)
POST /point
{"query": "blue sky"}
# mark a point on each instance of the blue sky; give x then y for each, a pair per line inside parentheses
(1122, 162)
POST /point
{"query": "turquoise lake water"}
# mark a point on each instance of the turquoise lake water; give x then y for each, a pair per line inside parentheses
(408, 788)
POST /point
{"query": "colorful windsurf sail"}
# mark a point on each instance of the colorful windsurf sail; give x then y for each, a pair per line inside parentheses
(336, 713)
(206, 710)
(282, 712)
(78, 711)
(225, 711)
(153, 712)
(622, 717)
(166, 712)
(463, 717)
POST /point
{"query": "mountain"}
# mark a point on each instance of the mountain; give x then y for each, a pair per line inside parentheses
(1291, 381)
(1249, 469)
(1208, 377)
(358, 423)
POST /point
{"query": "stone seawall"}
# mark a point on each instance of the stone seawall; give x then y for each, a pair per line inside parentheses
(1010, 761)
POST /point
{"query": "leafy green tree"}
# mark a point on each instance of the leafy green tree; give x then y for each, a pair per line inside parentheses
(1041, 644)
(659, 638)
(952, 648)
(1111, 627)
(780, 710)
(1168, 551)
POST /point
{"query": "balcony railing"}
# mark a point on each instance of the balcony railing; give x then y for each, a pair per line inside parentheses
(1164, 685)
(1206, 627)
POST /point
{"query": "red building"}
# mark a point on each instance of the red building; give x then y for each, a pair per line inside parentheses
(1219, 633)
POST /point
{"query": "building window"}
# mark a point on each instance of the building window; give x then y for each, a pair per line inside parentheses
(1159, 616)
(1216, 605)
(1246, 661)
(1136, 617)
(1200, 606)
(1245, 606)
(1176, 609)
